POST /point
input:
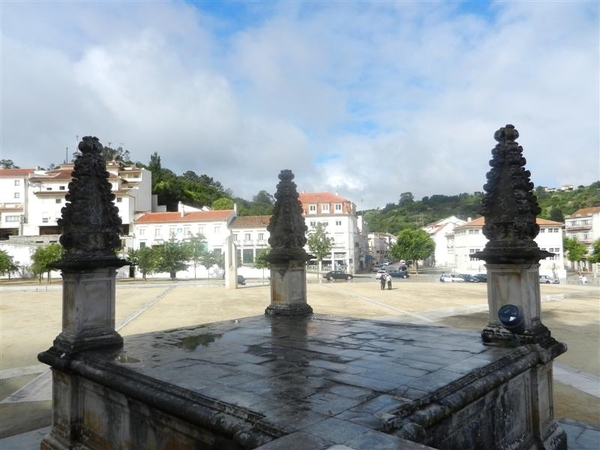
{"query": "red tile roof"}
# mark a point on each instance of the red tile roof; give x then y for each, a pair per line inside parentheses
(321, 197)
(196, 216)
(480, 221)
(15, 173)
(250, 222)
(585, 211)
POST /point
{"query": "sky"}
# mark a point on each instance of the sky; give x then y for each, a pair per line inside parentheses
(367, 99)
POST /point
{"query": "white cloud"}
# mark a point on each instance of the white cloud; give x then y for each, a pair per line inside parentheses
(367, 99)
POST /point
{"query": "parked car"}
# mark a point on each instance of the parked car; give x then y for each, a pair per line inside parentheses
(482, 277)
(449, 278)
(380, 273)
(337, 275)
(241, 280)
(469, 278)
(545, 279)
(398, 273)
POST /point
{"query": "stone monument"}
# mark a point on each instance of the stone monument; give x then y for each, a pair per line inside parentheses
(287, 256)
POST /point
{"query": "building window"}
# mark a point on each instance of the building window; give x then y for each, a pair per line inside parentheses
(325, 208)
(338, 207)
(542, 230)
(338, 223)
(473, 231)
(62, 188)
(217, 229)
(142, 231)
(247, 237)
(17, 195)
(312, 209)
(157, 232)
(12, 218)
(247, 256)
(172, 232)
(119, 200)
(187, 231)
(234, 237)
(201, 230)
(313, 223)
(17, 182)
(142, 245)
(261, 236)
(58, 200)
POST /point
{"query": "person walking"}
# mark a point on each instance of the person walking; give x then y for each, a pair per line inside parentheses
(382, 281)
(388, 278)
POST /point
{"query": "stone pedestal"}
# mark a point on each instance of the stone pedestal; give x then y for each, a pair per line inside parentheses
(288, 289)
(88, 310)
(515, 284)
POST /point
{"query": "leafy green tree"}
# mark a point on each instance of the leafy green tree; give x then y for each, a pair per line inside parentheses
(575, 250)
(556, 214)
(413, 245)
(7, 264)
(260, 261)
(319, 244)
(196, 247)
(594, 258)
(116, 154)
(44, 257)
(222, 203)
(172, 257)
(146, 261)
(8, 164)
(212, 258)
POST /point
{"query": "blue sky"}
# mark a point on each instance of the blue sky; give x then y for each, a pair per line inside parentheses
(368, 99)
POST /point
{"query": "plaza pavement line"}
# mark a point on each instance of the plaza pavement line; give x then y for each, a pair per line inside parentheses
(585, 382)
(22, 371)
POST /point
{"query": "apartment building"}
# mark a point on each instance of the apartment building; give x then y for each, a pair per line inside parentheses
(350, 245)
(469, 239)
(442, 233)
(584, 225)
(13, 201)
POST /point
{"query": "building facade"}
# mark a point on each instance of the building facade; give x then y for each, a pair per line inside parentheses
(469, 239)
(442, 233)
(584, 225)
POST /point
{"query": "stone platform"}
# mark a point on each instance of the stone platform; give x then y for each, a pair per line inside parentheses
(306, 383)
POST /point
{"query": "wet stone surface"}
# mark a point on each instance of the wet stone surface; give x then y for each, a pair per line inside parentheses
(321, 379)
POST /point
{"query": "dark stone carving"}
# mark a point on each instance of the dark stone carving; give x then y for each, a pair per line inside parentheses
(509, 206)
(90, 221)
(287, 227)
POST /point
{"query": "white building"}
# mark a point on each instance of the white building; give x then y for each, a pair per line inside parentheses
(379, 247)
(350, 245)
(469, 239)
(442, 233)
(584, 225)
(250, 236)
(13, 198)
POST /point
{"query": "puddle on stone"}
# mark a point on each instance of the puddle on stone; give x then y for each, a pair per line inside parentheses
(124, 359)
(192, 343)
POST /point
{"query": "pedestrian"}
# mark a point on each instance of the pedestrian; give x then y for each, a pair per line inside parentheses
(388, 278)
(382, 281)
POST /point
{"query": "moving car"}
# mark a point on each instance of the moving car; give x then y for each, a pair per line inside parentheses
(398, 273)
(337, 275)
(545, 279)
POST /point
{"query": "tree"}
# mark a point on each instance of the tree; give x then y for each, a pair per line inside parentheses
(574, 249)
(413, 245)
(556, 214)
(222, 203)
(8, 164)
(320, 244)
(7, 264)
(196, 247)
(260, 261)
(212, 258)
(594, 258)
(172, 257)
(44, 257)
(146, 261)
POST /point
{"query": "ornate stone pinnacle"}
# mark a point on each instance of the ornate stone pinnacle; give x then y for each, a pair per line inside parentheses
(509, 206)
(90, 221)
(287, 227)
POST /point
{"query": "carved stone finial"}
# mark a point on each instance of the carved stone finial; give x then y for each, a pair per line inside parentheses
(287, 227)
(509, 206)
(90, 221)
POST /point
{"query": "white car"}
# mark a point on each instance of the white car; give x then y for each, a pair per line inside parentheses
(448, 278)
(380, 273)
